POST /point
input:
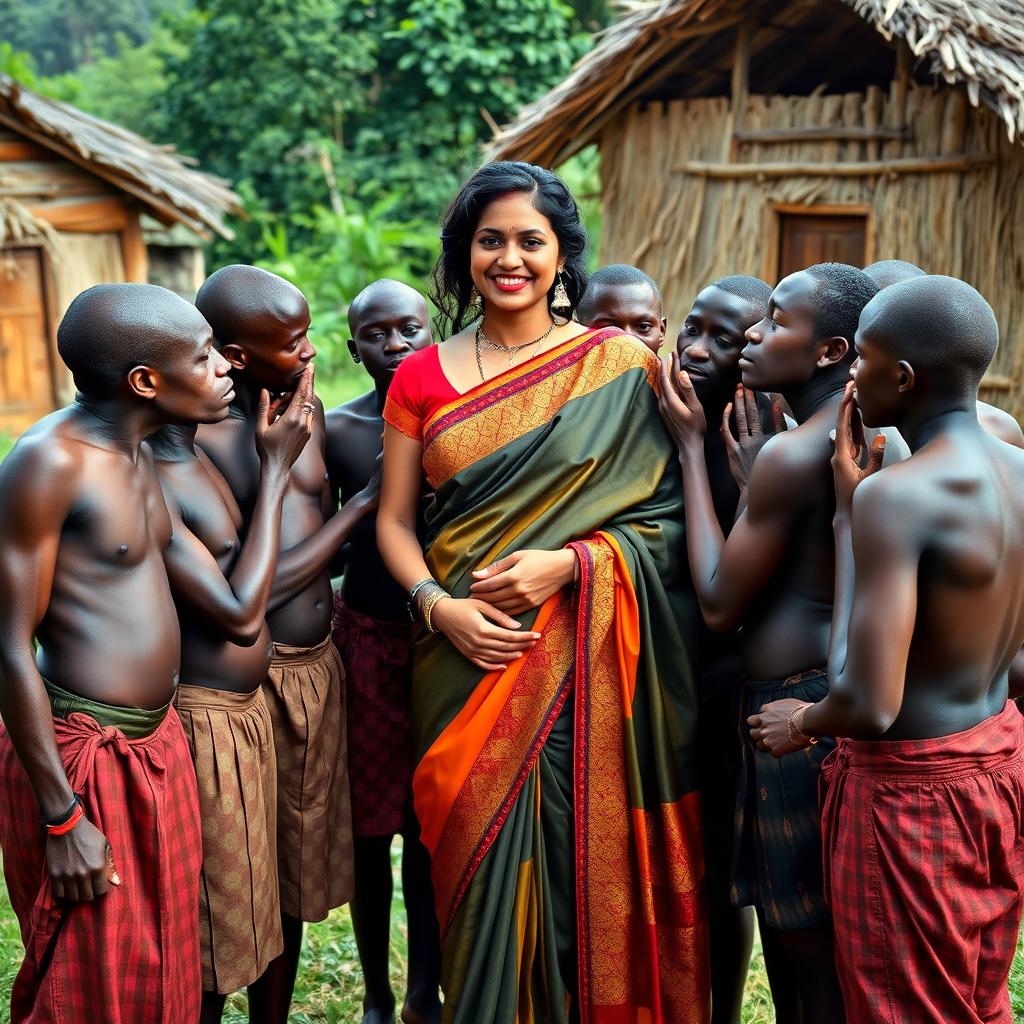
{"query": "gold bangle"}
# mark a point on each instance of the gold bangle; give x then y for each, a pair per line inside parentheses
(428, 607)
(791, 725)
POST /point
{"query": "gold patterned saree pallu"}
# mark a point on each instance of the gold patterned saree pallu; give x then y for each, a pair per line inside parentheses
(558, 796)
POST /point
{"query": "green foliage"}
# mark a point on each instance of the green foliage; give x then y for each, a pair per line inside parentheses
(125, 88)
(448, 70)
(61, 35)
(582, 176)
(314, 102)
(17, 64)
(356, 246)
(259, 94)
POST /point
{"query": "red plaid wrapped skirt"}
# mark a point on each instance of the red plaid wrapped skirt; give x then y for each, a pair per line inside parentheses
(924, 867)
(132, 956)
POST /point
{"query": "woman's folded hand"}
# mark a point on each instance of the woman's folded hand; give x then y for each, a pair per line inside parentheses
(486, 636)
(524, 579)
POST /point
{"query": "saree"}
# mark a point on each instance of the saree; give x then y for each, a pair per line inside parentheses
(558, 796)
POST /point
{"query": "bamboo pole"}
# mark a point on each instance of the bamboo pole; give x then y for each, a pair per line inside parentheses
(859, 169)
(740, 84)
(823, 133)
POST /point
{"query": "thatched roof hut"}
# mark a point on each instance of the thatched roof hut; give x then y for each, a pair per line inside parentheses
(83, 202)
(759, 137)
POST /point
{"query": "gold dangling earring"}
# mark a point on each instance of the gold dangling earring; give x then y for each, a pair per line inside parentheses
(561, 297)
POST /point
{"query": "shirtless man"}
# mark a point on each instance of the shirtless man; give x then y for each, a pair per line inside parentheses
(708, 349)
(774, 576)
(624, 297)
(261, 325)
(107, 893)
(225, 653)
(388, 321)
(924, 810)
(996, 421)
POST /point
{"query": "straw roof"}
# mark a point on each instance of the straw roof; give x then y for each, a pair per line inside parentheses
(156, 175)
(688, 43)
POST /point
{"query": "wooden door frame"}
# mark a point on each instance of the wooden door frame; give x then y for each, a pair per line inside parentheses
(772, 229)
(49, 297)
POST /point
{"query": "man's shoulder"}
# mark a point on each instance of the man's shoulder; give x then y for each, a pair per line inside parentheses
(1000, 424)
(50, 446)
(355, 410)
(795, 453)
(896, 497)
(232, 432)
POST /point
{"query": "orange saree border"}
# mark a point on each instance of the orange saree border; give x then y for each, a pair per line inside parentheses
(512, 404)
(642, 952)
(466, 783)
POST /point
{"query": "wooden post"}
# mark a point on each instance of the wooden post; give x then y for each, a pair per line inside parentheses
(900, 87)
(872, 120)
(133, 250)
(740, 85)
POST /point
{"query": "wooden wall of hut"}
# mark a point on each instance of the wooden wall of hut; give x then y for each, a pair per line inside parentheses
(667, 210)
(96, 235)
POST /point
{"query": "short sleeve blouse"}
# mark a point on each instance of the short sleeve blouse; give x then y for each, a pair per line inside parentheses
(418, 389)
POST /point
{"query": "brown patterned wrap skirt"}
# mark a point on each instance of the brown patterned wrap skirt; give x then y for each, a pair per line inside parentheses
(305, 691)
(232, 744)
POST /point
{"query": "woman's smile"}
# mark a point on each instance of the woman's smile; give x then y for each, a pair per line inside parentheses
(510, 282)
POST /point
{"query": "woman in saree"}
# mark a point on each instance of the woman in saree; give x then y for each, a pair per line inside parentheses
(553, 699)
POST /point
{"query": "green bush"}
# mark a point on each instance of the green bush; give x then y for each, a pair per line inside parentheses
(346, 249)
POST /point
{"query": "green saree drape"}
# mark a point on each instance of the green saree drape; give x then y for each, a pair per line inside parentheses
(558, 797)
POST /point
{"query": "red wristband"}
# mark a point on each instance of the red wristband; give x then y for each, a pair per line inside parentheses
(58, 830)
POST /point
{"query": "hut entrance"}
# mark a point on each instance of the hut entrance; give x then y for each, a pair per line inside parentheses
(26, 379)
(806, 239)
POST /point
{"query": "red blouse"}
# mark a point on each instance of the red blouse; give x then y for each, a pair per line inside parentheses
(418, 389)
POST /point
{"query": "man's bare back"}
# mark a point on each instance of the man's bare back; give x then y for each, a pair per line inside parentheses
(956, 507)
(927, 627)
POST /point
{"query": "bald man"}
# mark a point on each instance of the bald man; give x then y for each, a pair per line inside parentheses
(106, 891)
(996, 421)
(261, 323)
(923, 815)
(387, 321)
(624, 297)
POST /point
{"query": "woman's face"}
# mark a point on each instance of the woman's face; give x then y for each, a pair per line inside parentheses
(514, 256)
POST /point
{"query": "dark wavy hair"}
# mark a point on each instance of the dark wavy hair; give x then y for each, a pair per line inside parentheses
(452, 284)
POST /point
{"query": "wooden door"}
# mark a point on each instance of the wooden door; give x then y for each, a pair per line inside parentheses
(26, 379)
(806, 239)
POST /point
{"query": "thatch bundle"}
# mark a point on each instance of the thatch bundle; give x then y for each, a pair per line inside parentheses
(19, 224)
(979, 45)
(156, 175)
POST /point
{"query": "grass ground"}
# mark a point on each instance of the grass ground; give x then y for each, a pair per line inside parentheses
(329, 989)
